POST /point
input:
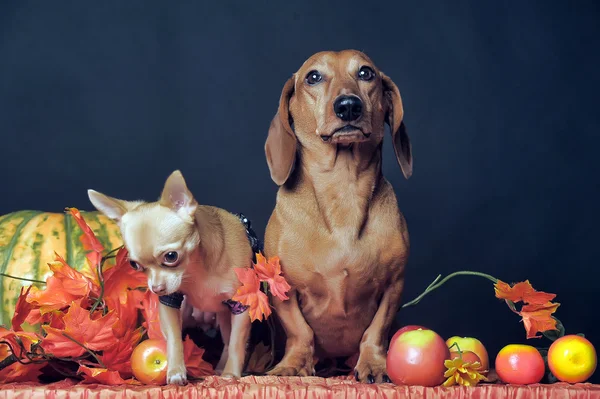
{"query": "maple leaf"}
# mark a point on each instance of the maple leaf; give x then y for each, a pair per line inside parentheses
(79, 326)
(121, 278)
(88, 238)
(127, 313)
(17, 372)
(22, 310)
(196, 366)
(53, 318)
(93, 375)
(538, 318)
(118, 356)
(522, 291)
(249, 294)
(270, 271)
(19, 341)
(151, 317)
(64, 286)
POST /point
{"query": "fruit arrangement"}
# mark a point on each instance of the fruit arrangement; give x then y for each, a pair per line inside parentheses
(420, 356)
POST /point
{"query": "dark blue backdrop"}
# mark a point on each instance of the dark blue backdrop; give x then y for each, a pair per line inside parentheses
(500, 100)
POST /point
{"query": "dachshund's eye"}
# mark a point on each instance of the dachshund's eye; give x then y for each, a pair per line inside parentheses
(135, 265)
(171, 258)
(313, 77)
(366, 73)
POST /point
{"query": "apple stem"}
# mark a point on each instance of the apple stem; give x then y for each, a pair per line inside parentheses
(457, 349)
(437, 283)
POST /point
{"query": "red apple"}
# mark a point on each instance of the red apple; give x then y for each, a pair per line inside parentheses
(417, 357)
(520, 364)
(149, 362)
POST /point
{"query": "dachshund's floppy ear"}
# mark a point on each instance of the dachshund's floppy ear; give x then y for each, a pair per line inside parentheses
(395, 113)
(280, 147)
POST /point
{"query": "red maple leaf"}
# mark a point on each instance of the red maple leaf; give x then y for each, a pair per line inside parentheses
(249, 294)
(22, 310)
(196, 366)
(270, 271)
(80, 331)
(151, 317)
(121, 278)
(127, 313)
(538, 318)
(53, 318)
(94, 375)
(522, 291)
(118, 356)
(18, 372)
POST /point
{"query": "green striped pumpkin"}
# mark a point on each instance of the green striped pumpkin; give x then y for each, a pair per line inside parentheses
(28, 240)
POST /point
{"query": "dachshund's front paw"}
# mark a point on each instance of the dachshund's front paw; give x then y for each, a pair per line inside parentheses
(295, 364)
(371, 368)
(177, 376)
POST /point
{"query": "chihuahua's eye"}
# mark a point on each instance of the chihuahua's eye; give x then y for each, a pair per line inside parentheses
(366, 73)
(135, 265)
(171, 258)
(313, 77)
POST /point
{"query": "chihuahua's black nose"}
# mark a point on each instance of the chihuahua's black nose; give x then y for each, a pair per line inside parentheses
(348, 108)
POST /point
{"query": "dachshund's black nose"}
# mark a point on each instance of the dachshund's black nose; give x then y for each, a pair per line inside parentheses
(348, 108)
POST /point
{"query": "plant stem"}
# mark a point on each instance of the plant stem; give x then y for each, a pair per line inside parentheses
(435, 284)
(22, 278)
(101, 281)
(8, 360)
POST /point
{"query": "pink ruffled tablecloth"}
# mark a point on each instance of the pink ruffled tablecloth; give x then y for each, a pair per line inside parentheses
(293, 387)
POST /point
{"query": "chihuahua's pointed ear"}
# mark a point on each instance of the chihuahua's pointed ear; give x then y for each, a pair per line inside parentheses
(394, 116)
(111, 207)
(280, 147)
(175, 195)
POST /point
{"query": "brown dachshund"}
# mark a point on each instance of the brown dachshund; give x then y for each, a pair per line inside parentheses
(336, 226)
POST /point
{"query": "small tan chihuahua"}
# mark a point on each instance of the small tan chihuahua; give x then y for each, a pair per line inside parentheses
(190, 250)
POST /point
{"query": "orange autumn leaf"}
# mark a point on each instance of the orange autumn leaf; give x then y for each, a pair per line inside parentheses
(270, 271)
(249, 294)
(151, 318)
(196, 366)
(64, 286)
(522, 291)
(53, 318)
(94, 334)
(88, 239)
(121, 278)
(538, 318)
(17, 372)
(127, 313)
(94, 375)
(19, 341)
(118, 356)
(22, 310)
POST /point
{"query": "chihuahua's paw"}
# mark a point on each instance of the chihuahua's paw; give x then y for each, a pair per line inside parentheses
(294, 365)
(230, 375)
(177, 376)
(371, 368)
